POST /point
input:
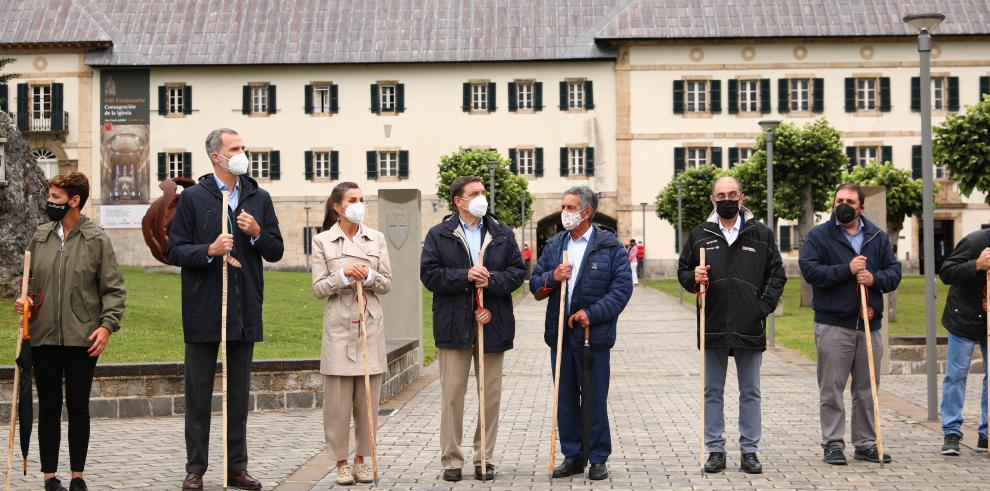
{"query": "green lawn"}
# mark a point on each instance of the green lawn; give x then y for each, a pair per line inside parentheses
(152, 327)
(795, 327)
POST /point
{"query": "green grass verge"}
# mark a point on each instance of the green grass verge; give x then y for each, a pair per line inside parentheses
(795, 328)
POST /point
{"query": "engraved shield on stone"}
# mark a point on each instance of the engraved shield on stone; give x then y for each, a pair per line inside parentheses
(397, 228)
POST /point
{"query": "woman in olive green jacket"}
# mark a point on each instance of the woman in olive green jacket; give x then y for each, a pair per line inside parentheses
(74, 270)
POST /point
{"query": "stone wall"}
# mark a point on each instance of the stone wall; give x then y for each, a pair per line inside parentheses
(907, 356)
(156, 389)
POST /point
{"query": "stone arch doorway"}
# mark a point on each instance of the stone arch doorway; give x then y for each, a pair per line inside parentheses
(550, 225)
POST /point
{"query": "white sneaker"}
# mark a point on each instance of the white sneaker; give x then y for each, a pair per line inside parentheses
(344, 476)
(363, 474)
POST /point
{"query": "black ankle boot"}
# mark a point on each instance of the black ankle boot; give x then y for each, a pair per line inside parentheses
(77, 484)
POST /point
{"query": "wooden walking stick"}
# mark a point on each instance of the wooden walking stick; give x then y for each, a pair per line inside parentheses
(873, 378)
(556, 375)
(223, 337)
(483, 316)
(362, 308)
(26, 316)
(701, 341)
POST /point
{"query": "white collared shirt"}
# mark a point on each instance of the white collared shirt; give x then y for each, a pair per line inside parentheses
(731, 233)
(575, 253)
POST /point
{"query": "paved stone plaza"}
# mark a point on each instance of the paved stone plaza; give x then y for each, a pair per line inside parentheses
(653, 415)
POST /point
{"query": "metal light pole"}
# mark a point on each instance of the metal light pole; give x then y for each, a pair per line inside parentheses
(770, 126)
(680, 230)
(491, 184)
(307, 234)
(522, 219)
(925, 24)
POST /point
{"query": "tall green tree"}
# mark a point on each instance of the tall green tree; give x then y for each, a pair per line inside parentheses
(510, 189)
(696, 187)
(807, 167)
(962, 144)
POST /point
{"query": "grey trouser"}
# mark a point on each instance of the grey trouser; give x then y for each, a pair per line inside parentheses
(748, 373)
(841, 354)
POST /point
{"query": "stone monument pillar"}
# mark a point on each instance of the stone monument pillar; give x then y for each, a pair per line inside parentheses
(399, 219)
(876, 211)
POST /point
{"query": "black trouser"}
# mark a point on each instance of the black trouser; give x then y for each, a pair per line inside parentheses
(201, 362)
(51, 365)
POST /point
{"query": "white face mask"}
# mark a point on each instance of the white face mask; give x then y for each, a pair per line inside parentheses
(478, 206)
(571, 219)
(355, 212)
(236, 165)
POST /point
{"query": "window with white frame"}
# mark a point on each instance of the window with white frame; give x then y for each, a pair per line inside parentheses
(799, 94)
(388, 164)
(386, 98)
(321, 99)
(576, 161)
(321, 164)
(41, 104)
(176, 101)
(867, 155)
(261, 165)
(176, 162)
(744, 154)
(575, 95)
(479, 97)
(696, 157)
(46, 161)
(938, 93)
(866, 94)
(259, 98)
(939, 171)
(525, 161)
(696, 96)
(524, 95)
(749, 91)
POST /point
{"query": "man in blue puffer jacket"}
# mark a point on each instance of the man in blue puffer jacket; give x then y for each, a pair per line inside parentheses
(598, 288)
(836, 257)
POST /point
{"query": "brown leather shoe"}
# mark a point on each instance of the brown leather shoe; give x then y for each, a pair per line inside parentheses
(243, 480)
(193, 481)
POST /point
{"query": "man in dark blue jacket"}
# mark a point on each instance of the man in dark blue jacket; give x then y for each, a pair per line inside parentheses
(449, 268)
(197, 246)
(837, 257)
(598, 289)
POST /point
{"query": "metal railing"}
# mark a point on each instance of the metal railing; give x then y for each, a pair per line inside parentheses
(43, 125)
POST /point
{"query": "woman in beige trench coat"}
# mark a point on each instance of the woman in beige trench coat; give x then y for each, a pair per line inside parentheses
(344, 253)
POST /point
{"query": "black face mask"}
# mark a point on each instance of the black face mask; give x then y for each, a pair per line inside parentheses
(845, 213)
(727, 208)
(56, 212)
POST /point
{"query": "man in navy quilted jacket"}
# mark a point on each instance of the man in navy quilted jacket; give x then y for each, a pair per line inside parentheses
(599, 286)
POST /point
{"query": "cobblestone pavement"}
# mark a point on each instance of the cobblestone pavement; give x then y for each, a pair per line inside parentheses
(652, 410)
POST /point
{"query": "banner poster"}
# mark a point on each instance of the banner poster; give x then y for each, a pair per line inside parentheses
(124, 137)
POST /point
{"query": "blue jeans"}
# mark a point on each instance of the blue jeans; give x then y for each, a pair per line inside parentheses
(954, 385)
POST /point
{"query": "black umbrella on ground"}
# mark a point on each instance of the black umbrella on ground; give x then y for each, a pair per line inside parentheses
(587, 394)
(25, 408)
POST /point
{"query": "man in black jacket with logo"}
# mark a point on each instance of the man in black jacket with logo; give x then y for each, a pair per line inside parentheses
(965, 317)
(745, 278)
(836, 257)
(197, 246)
(449, 268)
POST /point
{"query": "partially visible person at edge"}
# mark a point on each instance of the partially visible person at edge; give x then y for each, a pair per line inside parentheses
(449, 268)
(196, 245)
(837, 257)
(745, 279)
(598, 288)
(633, 253)
(527, 255)
(965, 317)
(75, 271)
(344, 253)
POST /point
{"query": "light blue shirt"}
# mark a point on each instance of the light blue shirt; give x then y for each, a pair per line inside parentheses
(232, 201)
(473, 239)
(856, 239)
(575, 254)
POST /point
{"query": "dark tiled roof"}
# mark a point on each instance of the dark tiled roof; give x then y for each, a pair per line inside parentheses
(687, 19)
(235, 32)
(47, 22)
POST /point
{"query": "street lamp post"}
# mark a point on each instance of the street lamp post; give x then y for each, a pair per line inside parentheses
(925, 24)
(770, 126)
(680, 230)
(306, 235)
(491, 183)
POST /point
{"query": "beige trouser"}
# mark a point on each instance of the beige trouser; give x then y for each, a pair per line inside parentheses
(342, 398)
(454, 371)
